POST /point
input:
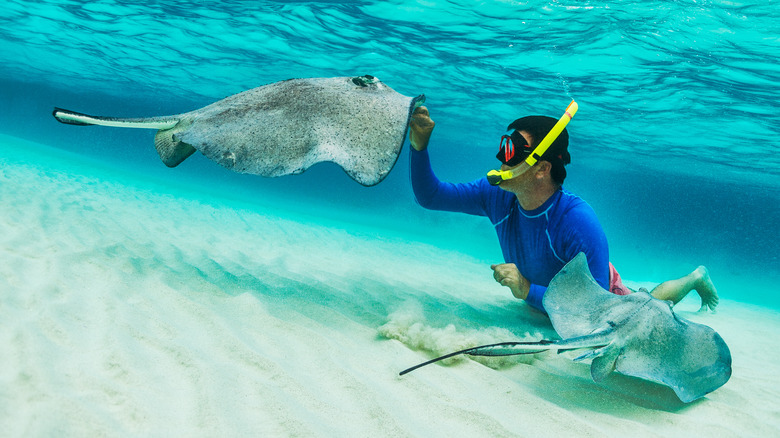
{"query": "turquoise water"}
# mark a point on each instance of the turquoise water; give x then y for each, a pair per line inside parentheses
(674, 143)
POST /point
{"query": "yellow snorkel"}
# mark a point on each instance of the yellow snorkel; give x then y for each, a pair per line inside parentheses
(496, 177)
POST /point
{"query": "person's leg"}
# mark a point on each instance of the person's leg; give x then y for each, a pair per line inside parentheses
(698, 280)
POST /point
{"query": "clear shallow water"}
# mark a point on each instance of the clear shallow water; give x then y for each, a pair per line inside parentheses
(111, 262)
(674, 144)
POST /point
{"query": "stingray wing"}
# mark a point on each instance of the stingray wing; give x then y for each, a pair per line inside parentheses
(578, 306)
(648, 340)
(659, 345)
(284, 128)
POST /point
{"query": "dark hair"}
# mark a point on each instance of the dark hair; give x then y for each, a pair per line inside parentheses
(558, 152)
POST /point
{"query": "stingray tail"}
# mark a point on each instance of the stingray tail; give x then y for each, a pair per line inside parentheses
(596, 340)
(500, 349)
(172, 151)
(74, 118)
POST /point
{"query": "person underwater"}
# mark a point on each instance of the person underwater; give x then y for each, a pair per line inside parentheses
(540, 226)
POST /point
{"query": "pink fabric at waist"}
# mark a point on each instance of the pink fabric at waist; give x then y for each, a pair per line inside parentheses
(616, 285)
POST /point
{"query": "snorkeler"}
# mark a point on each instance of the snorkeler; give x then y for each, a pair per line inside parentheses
(540, 226)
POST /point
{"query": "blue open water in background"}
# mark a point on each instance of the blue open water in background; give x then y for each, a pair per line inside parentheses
(674, 144)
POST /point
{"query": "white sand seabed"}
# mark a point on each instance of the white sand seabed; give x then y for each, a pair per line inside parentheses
(127, 311)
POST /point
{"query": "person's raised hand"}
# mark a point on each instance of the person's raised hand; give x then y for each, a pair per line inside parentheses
(420, 128)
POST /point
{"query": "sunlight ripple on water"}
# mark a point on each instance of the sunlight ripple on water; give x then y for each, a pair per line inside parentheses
(644, 66)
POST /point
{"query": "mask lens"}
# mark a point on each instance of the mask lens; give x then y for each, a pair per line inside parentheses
(508, 153)
(506, 149)
(509, 149)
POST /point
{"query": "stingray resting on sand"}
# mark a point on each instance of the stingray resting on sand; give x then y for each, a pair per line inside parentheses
(284, 128)
(634, 334)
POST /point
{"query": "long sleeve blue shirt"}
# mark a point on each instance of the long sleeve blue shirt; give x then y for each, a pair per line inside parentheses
(540, 241)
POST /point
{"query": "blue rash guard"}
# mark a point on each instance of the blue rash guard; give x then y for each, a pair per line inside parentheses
(540, 242)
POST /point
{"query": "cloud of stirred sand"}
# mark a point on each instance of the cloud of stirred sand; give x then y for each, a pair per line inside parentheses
(409, 326)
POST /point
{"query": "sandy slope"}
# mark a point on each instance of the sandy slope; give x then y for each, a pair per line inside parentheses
(132, 311)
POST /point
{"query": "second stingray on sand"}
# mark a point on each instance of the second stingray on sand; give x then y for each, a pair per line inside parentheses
(286, 127)
(634, 334)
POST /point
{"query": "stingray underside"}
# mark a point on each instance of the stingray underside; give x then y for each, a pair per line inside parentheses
(286, 127)
(648, 340)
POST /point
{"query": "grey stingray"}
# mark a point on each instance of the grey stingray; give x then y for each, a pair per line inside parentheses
(634, 334)
(284, 128)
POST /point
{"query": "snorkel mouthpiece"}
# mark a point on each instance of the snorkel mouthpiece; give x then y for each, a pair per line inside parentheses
(496, 177)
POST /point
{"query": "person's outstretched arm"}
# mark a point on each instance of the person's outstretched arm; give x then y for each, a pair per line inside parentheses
(428, 190)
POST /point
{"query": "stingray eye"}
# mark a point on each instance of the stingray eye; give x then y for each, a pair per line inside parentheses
(364, 81)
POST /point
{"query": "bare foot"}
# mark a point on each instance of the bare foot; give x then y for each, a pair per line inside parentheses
(706, 289)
